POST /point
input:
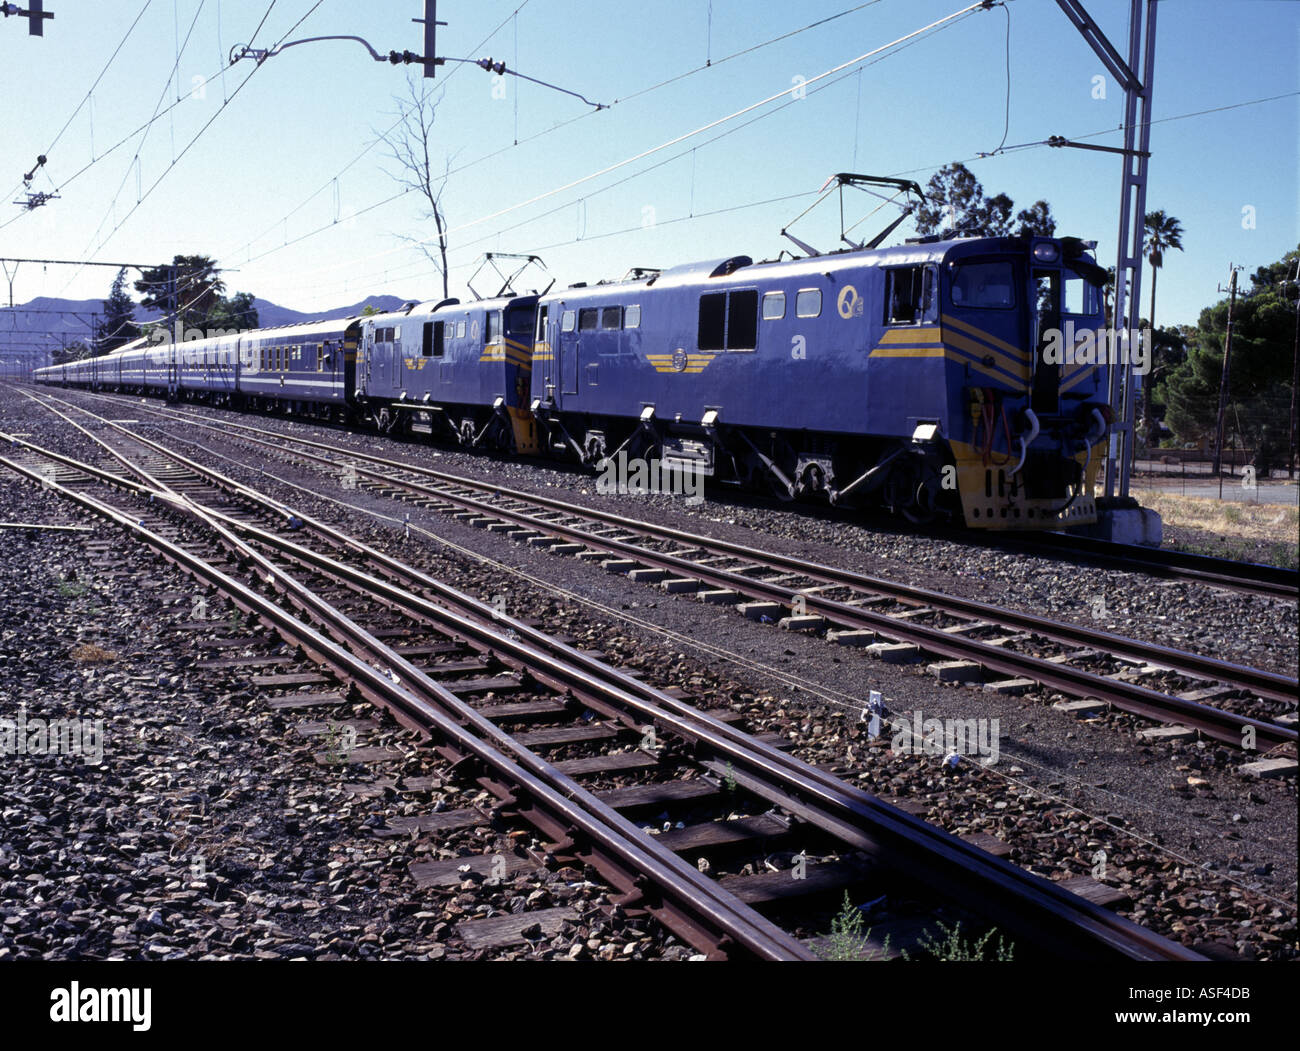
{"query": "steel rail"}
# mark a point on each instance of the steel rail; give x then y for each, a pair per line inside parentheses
(766, 770)
(1227, 727)
(1264, 683)
(1267, 684)
(691, 903)
(1251, 577)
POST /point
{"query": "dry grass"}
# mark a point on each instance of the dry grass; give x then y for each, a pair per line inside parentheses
(1247, 531)
(89, 653)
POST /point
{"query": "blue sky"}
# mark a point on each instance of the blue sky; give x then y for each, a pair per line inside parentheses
(271, 188)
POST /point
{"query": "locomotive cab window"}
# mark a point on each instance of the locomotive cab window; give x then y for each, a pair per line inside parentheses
(773, 306)
(540, 335)
(632, 317)
(984, 286)
(493, 329)
(611, 318)
(588, 318)
(808, 303)
(909, 295)
(1080, 296)
(568, 320)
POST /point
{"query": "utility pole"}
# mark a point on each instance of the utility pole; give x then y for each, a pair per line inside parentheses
(431, 24)
(1295, 378)
(35, 15)
(1223, 379)
(1132, 213)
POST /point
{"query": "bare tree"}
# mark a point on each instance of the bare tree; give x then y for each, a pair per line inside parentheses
(409, 143)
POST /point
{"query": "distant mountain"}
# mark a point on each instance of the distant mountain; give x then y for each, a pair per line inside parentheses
(271, 314)
(34, 329)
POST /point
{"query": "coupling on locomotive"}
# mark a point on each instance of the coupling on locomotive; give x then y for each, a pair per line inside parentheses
(937, 378)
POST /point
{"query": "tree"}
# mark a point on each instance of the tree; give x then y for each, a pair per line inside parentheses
(409, 144)
(118, 327)
(234, 313)
(956, 204)
(77, 351)
(1162, 232)
(1259, 391)
(186, 291)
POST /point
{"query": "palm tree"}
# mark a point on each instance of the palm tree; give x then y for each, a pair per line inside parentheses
(1162, 231)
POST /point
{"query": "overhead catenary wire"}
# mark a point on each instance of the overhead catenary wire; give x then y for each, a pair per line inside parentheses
(375, 141)
(162, 95)
(783, 94)
(198, 135)
(68, 123)
(493, 154)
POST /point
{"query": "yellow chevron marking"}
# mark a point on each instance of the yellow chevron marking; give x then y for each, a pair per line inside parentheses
(928, 334)
(986, 336)
(1076, 379)
(1013, 365)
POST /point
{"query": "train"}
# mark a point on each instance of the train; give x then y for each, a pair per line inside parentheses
(916, 378)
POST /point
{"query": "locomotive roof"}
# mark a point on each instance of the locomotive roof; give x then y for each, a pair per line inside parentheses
(434, 306)
(702, 272)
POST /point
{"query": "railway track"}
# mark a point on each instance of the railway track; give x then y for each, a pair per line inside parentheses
(752, 795)
(1249, 577)
(1252, 709)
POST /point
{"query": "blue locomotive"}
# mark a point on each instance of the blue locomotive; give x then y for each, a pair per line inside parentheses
(910, 377)
(457, 371)
(916, 377)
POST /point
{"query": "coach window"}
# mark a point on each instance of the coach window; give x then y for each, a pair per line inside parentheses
(587, 319)
(908, 294)
(568, 321)
(808, 303)
(773, 306)
(632, 317)
(611, 318)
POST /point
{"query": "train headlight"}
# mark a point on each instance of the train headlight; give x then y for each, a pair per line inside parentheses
(1046, 252)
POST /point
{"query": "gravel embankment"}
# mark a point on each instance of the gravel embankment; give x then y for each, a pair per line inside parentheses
(1209, 856)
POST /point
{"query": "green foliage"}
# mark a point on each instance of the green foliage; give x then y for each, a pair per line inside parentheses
(950, 948)
(1259, 383)
(189, 287)
(956, 205)
(118, 327)
(233, 313)
(847, 941)
(1161, 232)
(369, 310)
(77, 351)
